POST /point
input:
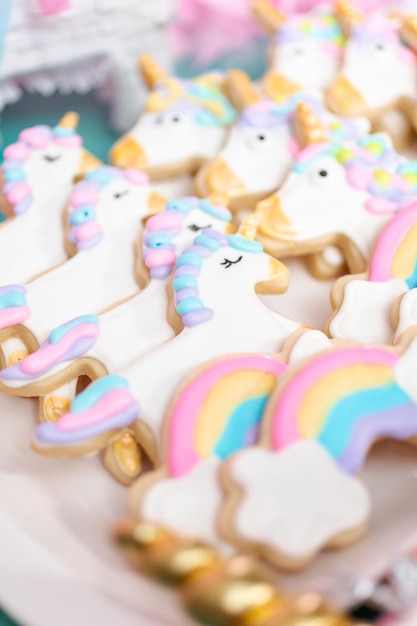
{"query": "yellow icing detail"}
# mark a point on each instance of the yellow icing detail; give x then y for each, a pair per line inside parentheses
(345, 155)
(382, 178)
(374, 148)
(55, 407)
(410, 178)
(222, 400)
(404, 260)
(16, 356)
(321, 398)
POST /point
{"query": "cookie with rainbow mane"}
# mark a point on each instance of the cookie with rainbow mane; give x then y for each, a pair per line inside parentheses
(103, 221)
(305, 49)
(363, 303)
(261, 146)
(214, 305)
(36, 179)
(128, 329)
(337, 194)
(183, 123)
(375, 49)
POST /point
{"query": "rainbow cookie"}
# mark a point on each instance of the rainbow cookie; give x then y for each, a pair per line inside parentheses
(345, 399)
(363, 303)
(261, 146)
(374, 50)
(183, 124)
(103, 222)
(216, 412)
(214, 292)
(338, 194)
(305, 49)
(36, 179)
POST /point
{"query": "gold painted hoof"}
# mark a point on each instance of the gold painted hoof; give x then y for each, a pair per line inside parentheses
(16, 356)
(55, 407)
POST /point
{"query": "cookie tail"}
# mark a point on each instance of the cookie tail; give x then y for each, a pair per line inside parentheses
(65, 344)
(13, 306)
(96, 417)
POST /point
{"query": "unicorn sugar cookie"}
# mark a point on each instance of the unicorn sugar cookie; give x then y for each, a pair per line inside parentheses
(261, 146)
(374, 50)
(363, 303)
(214, 286)
(128, 330)
(183, 124)
(215, 412)
(305, 51)
(338, 193)
(103, 222)
(36, 178)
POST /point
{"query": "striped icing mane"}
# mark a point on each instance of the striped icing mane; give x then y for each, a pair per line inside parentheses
(202, 97)
(395, 254)
(267, 113)
(85, 229)
(321, 27)
(16, 186)
(189, 265)
(345, 399)
(161, 229)
(371, 165)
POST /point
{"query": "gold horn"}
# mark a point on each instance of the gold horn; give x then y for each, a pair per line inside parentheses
(240, 89)
(348, 15)
(308, 128)
(408, 30)
(249, 226)
(69, 120)
(267, 16)
(151, 72)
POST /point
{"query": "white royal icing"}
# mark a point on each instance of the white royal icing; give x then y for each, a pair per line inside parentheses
(165, 141)
(188, 505)
(318, 206)
(295, 501)
(407, 315)
(33, 242)
(405, 371)
(309, 343)
(306, 61)
(367, 64)
(95, 278)
(133, 328)
(365, 313)
(241, 323)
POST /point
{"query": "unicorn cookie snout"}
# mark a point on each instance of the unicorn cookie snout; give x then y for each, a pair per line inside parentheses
(344, 99)
(128, 153)
(219, 178)
(274, 222)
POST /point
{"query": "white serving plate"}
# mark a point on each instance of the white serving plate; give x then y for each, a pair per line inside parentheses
(58, 564)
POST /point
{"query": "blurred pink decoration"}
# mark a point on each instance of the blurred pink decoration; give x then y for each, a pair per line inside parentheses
(206, 29)
(52, 7)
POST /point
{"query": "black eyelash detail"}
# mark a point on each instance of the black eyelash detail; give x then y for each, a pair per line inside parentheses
(120, 194)
(196, 228)
(227, 263)
(51, 158)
